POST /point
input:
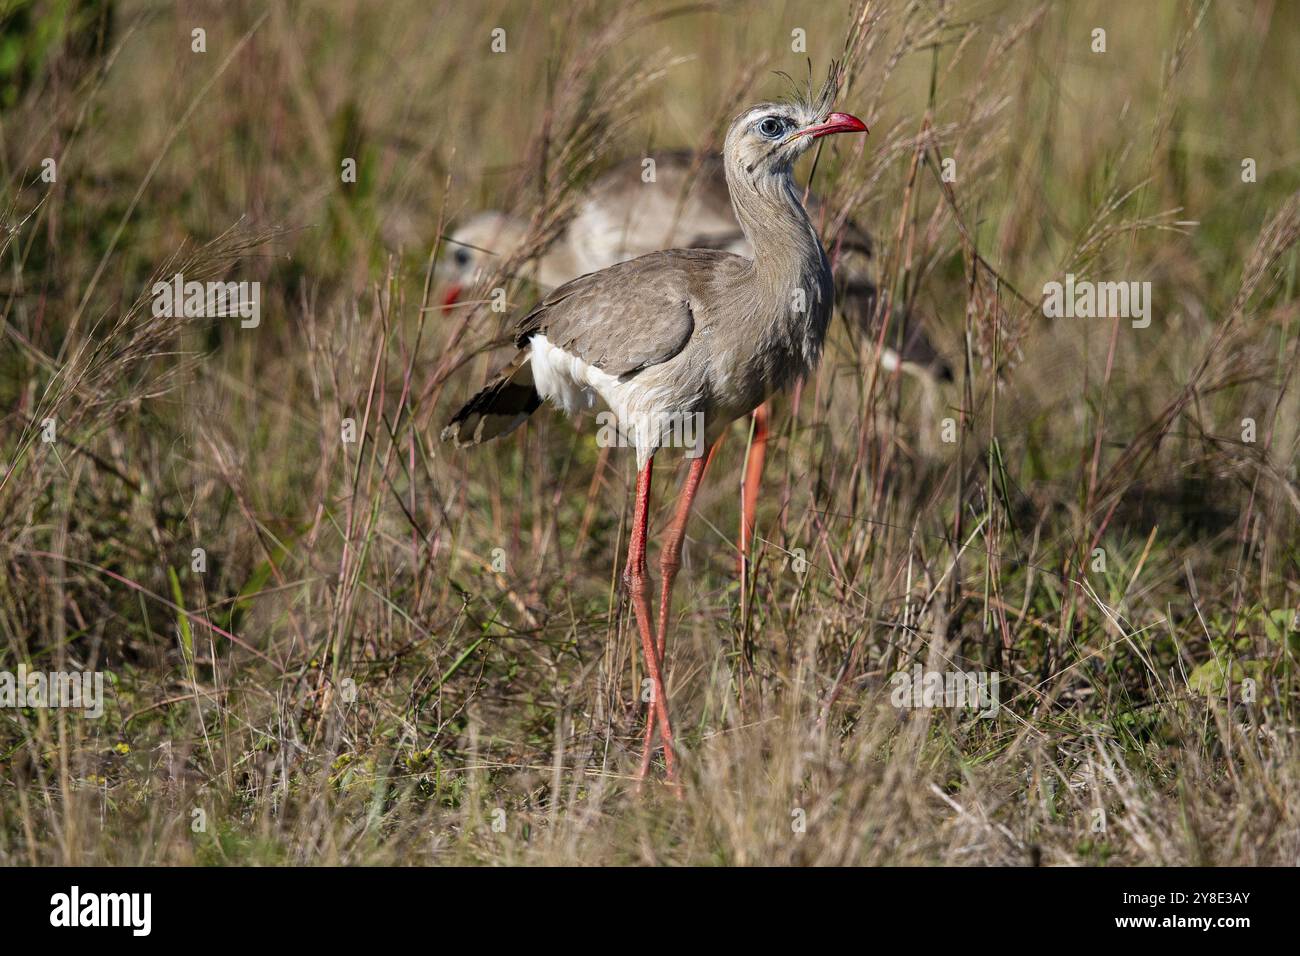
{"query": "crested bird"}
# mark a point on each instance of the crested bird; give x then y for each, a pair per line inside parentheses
(679, 198)
(704, 334)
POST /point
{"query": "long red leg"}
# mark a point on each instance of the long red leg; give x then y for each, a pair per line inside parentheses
(752, 481)
(670, 561)
(635, 577)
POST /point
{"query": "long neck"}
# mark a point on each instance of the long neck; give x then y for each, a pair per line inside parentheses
(785, 297)
(787, 251)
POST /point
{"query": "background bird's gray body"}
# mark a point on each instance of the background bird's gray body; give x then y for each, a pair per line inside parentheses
(687, 204)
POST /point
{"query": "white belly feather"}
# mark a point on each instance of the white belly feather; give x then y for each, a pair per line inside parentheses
(566, 380)
(645, 411)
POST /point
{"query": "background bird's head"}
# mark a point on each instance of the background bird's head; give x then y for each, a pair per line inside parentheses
(766, 139)
(475, 250)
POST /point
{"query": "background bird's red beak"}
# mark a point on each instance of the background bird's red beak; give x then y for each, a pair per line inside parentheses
(452, 295)
(836, 123)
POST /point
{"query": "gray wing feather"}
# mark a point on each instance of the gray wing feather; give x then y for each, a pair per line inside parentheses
(625, 318)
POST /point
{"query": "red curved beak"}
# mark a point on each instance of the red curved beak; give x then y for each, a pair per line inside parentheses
(835, 123)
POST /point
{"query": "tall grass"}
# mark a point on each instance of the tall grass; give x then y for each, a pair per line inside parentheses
(402, 653)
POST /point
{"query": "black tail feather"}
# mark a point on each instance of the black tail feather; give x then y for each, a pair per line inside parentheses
(500, 408)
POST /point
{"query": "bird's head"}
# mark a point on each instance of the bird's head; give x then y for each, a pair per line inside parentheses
(766, 139)
(475, 250)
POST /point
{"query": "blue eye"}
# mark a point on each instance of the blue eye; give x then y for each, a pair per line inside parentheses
(461, 255)
(771, 127)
